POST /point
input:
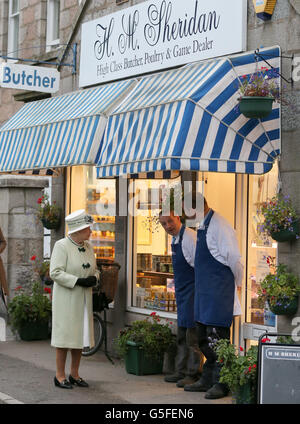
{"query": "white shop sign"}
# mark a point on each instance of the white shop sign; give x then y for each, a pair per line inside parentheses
(159, 34)
(33, 78)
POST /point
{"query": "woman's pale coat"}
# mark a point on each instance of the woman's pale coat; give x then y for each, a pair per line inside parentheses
(68, 263)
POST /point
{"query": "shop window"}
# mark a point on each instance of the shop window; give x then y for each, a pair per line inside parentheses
(260, 246)
(152, 271)
(97, 197)
(13, 28)
(53, 13)
(153, 278)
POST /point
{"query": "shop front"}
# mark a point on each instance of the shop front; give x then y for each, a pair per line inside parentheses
(121, 142)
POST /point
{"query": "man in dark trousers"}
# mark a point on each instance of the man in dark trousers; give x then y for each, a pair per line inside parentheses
(218, 271)
(188, 358)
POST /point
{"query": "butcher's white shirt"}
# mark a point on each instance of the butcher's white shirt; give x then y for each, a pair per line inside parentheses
(189, 240)
(222, 243)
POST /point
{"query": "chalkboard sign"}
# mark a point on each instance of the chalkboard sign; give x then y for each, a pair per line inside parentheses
(279, 374)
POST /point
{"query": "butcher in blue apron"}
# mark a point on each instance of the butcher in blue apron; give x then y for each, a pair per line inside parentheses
(218, 271)
(189, 357)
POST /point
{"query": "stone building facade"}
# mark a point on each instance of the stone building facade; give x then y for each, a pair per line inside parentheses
(282, 30)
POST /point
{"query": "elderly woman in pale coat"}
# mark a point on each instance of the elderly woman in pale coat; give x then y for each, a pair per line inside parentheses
(74, 272)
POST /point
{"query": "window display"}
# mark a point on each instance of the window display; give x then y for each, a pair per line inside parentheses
(97, 197)
(260, 246)
(153, 278)
(100, 204)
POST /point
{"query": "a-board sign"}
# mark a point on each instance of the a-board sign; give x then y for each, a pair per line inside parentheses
(279, 374)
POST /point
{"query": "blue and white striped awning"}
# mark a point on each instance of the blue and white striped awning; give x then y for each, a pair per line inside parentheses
(59, 131)
(188, 119)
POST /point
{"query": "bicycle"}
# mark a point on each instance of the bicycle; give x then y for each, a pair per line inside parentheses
(100, 304)
(99, 335)
(102, 296)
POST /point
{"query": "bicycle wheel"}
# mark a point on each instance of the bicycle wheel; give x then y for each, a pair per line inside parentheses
(99, 330)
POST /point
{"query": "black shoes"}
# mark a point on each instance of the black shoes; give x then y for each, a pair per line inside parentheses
(79, 381)
(217, 391)
(173, 378)
(188, 379)
(65, 384)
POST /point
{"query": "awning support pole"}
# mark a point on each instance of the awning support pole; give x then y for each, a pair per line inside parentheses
(38, 62)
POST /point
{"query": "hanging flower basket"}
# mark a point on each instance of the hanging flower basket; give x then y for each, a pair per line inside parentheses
(49, 214)
(286, 234)
(256, 106)
(51, 225)
(285, 307)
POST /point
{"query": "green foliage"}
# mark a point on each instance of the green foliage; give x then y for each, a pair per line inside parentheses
(279, 214)
(238, 367)
(29, 306)
(278, 286)
(48, 212)
(152, 336)
(41, 268)
(286, 340)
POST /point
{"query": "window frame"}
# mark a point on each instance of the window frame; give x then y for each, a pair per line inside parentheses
(13, 25)
(51, 41)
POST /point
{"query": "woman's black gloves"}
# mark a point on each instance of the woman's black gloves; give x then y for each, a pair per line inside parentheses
(87, 282)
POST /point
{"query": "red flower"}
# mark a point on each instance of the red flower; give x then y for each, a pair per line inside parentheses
(241, 349)
(152, 314)
(171, 322)
(39, 201)
(254, 366)
(18, 288)
(47, 290)
(265, 339)
(33, 258)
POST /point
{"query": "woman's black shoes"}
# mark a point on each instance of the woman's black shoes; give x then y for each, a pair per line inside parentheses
(65, 384)
(79, 381)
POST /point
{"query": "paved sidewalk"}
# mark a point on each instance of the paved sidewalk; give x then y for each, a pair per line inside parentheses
(28, 368)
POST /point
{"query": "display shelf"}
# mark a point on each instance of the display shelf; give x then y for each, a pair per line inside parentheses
(159, 274)
(102, 239)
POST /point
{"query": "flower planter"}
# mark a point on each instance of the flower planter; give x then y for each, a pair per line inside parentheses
(256, 106)
(51, 225)
(287, 307)
(246, 394)
(286, 235)
(136, 362)
(34, 331)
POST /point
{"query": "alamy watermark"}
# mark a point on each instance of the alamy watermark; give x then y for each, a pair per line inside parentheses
(136, 197)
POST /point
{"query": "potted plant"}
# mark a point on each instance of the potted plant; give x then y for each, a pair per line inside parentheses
(42, 269)
(29, 312)
(143, 345)
(280, 289)
(281, 220)
(48, 214)
(258, 91)
(238, 371)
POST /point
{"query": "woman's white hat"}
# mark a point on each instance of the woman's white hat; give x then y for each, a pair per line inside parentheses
(78, 220)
